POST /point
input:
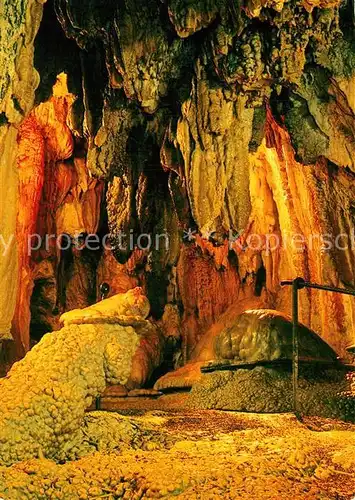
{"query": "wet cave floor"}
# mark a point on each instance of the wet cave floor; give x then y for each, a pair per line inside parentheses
(169, 451)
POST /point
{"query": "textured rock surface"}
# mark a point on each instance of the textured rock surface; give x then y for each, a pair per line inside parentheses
(213, 136)
(305, 208)
(182, 378)
(254, 336)
(19, 24)
(132, 303)
(204, 351)
(8, 207)
(19, 79)
(266, 335)
(44, 396)
(199, 454)
(268, 390)
(64, 372)
(56, 197)
(201, 117)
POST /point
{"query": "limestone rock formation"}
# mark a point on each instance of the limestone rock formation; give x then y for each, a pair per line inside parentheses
(213, 135)
(189, 374)
(264, 335)
(266, 389)
(44, 396)
(197, 453)
(131, 304)
(255, 336)
(57, 197)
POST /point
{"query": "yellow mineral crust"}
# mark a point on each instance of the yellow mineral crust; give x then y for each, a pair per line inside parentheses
(44, 396)
(197, 455)
(132, 303)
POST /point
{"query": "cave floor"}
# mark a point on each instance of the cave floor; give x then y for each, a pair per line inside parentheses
(201, 454)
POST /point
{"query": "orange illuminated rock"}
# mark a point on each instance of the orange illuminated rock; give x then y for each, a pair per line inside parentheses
(302, 209)
(183, 378)
(55, 196)
(206, 291)
(31, 169)
(190, 374)
(115, 391)
(120, 277)
(18, 82)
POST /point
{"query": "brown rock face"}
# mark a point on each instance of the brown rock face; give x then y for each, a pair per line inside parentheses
(212, 142)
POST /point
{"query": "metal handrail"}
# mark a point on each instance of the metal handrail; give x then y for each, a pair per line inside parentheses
(299, 284)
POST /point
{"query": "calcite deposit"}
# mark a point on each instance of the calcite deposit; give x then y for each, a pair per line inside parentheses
(197, 454)
(191, 154)
(56, 197)
(44, 396)
(178, 159)
(131, 304)
(322, 392)
(255, 336)
(263, 335)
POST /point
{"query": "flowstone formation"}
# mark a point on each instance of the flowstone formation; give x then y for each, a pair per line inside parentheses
(211, 120)
(248, 363)
(44, 396)
(321, 391)
(19, 23)
(131, 304)
(58, 200)
(264, 335)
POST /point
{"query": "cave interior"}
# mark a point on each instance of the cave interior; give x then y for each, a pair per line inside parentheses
(165, 165)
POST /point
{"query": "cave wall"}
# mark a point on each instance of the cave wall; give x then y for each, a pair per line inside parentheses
(200, 121)
(18, 81)
(290, 198)
(58, 200)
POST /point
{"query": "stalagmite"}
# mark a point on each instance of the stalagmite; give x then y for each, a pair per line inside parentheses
(44, 396)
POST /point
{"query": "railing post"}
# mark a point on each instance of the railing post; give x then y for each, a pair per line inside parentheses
(295, 344)
(296, 284)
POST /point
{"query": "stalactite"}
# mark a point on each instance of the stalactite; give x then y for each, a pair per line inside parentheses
(213, 136)
(295, 203)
